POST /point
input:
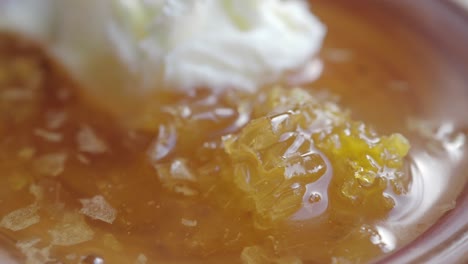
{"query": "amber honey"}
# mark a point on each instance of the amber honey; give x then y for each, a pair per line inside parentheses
(205, 178)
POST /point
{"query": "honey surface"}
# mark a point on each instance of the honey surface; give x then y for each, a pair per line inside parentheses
(284, 176)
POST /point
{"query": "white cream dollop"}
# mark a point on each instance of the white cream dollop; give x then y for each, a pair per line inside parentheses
(135, 47)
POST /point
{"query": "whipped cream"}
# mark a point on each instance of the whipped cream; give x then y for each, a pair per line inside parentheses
(128, 47)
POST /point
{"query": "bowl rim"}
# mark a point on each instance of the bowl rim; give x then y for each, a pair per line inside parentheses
(446, 241)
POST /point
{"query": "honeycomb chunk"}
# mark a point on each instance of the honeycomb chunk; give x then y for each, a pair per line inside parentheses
(364, 164)
(273, 173)
(301, 139)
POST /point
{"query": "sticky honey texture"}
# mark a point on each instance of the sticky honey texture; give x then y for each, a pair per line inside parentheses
(282, 176)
